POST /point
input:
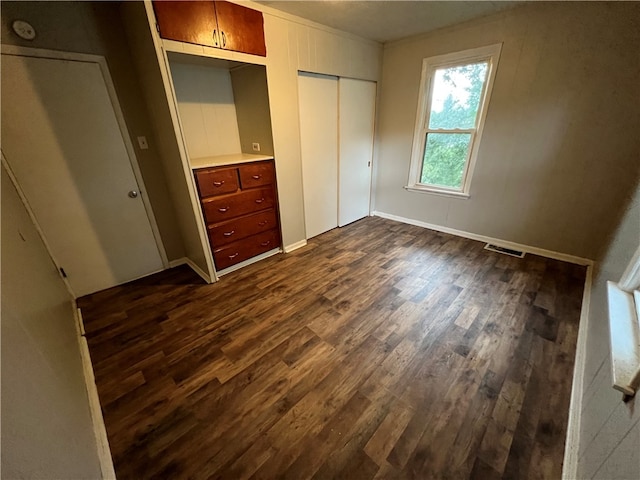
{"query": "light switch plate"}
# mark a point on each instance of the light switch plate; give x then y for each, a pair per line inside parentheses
(255, 146)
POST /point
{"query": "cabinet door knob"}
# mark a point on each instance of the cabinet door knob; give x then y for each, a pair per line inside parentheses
(215, 37)
(218, 184)
(223, 209)
(256, 177)
(228, 234)
(260, 200)
(224, 39)
(231, 257)
(262, 223)
(264, 244)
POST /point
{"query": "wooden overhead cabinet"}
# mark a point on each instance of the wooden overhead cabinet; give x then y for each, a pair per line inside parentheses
(216, 24)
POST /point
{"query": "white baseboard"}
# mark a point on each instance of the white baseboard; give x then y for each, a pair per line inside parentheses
(250, 261)
(572, 442)
(100, 431)
(295, 246)
(187, 261)
(496, 241)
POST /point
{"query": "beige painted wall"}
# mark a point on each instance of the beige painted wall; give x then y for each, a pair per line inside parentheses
(559, 152)
(96, 28)
(46, 422)
(292, 46)
(252, 107)
(610, 434)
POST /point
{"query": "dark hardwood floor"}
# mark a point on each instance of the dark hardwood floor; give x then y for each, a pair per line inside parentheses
(380, 350)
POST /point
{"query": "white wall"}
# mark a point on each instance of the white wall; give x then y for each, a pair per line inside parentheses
(561, 133)
(207, 109)
(610, 431)
(46, 422)
(293, 45)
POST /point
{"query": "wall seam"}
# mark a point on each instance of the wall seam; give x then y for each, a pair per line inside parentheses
(613, 449)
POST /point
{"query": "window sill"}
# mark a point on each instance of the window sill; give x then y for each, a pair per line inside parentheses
(624, 333)
(437, 191)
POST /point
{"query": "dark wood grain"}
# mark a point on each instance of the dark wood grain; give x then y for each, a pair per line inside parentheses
(257, 174)
(380, 350)
(242, 227)
(216, 181)
(249, 247)
(244, 223)
(241, 28)
(187, 21)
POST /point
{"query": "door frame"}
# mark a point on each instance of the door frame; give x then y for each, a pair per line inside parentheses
(122, 125)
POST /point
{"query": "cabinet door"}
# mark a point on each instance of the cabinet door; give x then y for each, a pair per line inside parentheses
(241, 28)
(191, 22)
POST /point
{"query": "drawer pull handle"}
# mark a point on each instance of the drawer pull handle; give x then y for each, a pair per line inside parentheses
(264, 244)
(262, 223)
(228, 234)
(260, 200)
(218, 184)
(223, 209)
(231, 257)
(256, 177)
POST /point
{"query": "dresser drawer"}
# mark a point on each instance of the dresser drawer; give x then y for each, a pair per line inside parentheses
(216, 182)
(257, 174)
(219, 209)
(246, 248)
(242, 227)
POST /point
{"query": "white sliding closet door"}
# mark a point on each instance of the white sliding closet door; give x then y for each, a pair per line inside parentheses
(357, 105)
(318, 101)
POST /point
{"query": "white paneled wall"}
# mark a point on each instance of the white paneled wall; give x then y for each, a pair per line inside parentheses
(610, 433)
(207, 110)
(293, 47)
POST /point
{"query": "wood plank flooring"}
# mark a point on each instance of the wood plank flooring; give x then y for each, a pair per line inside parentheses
(380, 350)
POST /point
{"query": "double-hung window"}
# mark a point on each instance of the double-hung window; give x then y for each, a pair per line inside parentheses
(624, 328)
(454, 95)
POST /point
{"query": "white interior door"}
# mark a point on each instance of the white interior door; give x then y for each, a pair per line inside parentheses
(62, 141)
(356, 127)
(318, 100)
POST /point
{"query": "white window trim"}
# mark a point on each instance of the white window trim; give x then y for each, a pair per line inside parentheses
(624, 328)
(429, 65)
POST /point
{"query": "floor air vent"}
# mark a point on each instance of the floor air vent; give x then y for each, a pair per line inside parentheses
(506, 251)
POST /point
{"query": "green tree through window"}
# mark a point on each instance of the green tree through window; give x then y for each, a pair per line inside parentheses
(455, 100)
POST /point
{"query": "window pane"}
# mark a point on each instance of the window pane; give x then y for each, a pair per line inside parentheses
(445, 155)
(456, 96)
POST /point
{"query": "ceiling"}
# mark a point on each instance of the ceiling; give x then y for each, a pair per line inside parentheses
(384, 21)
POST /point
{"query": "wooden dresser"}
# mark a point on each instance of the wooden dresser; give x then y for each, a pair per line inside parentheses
(240, 208)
